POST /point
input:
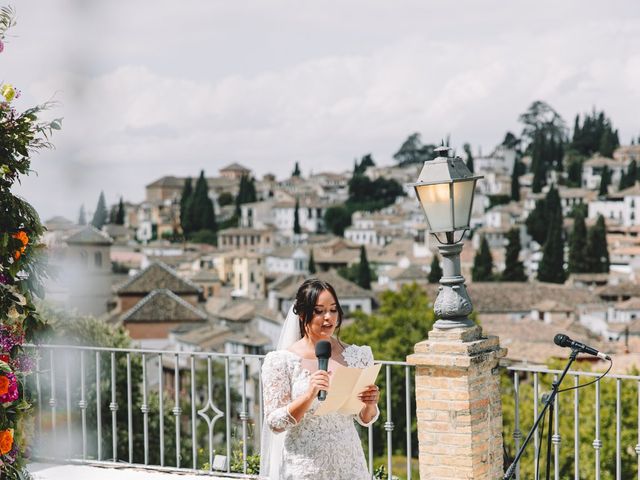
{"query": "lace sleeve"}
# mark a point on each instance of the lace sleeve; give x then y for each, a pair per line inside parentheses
(364, 359)
(276, 392)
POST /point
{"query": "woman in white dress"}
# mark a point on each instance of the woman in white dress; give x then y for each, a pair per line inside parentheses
(297, 445)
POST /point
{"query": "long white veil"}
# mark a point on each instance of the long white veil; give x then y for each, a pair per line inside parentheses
(271, 444)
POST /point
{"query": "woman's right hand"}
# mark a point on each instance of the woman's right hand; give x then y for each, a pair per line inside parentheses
(319, 380)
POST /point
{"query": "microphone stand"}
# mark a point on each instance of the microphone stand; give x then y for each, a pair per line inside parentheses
(548, 403)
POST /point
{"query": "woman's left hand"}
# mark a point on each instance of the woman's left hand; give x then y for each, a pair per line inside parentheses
(370, 395)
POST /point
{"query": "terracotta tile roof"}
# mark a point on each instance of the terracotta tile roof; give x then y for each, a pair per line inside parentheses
(623, 289)
(162, 305)
(288, 286)
(235, 166)
(157, 276)
(89, 235)
(511, 297)
(205, 335)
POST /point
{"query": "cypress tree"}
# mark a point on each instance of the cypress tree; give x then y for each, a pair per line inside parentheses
(551, 268)
(514, 268)
(296, 171)
(113, 213)
(482, 270)
(435, 274)
(467, 150)
(296, 219)
(364, 274)
(200, 211)
(120, 213)
(100, 216)
(536, 222)
(82, 216)
(578, 260)
(312, 263)
(515, 183)
(597, 251)
(605, 181)
(185, 198)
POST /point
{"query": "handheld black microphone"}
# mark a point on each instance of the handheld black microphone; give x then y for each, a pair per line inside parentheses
(564, 341)
(323, 352)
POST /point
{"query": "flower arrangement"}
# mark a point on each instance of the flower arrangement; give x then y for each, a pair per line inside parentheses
(22, 269)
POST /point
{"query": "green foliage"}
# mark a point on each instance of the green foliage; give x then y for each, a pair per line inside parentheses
(120, 213)
(352, 273)
(204, 236)
(495, 200)
(364, 270)
(605, 181)
(22, 265)
(597, 250)
(578, 262)
(296, 171)
(630, 177)
(551, 267)
(573, 165)
(514, 268)
(586, 424)
(197, 212)
(368, 195)
(336, 219)
(296, 219)
(511, 141)
(435, 274)
(515, 182)
(403, 319)
(246, 192)
(101, 215)
(312, 263)
(467, 150)
(414, 151)
(482, 270)
(366, 162)
(225, 199)
(595, 134)
(545, 210)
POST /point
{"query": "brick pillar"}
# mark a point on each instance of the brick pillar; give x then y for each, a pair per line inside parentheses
(458, 405)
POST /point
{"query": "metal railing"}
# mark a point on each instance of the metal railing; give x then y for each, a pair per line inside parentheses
(596, 429)
(181, 411)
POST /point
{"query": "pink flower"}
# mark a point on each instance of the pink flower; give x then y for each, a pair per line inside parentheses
(10, 389)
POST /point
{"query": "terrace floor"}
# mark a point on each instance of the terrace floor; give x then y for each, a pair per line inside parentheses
(48, 471)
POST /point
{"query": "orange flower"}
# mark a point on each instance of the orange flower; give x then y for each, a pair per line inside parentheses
(4, 385)
(22, 236)
(6, 441)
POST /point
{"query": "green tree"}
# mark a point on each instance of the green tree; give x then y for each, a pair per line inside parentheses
(578, 262)
(296, 219)
(200, 210)
(246, 192)
(536, 222)
(225, 198)
(364, 273)
(515, 183)
(514, 268)
(413, 151)
(629, 177)
(605, 181)
(482, 270)
(403, 319)
(573, 165)
(120, 213)
(336, 219)
(82, 216)
(296, 171)
(312, 263)
(597, 250)
(511, 141)
(435, 274)
(467, 150)
(551, 267)
(101, 215)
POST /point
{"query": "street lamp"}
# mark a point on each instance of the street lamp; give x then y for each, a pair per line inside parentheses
(445, 189)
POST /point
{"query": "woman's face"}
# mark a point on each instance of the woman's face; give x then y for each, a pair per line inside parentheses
(325, 317)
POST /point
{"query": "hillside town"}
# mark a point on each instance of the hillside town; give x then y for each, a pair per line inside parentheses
(229, 288)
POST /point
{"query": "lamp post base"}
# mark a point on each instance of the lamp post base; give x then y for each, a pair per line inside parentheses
(452, 305)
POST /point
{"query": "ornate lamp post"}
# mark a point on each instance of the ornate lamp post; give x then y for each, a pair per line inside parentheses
(445, 189)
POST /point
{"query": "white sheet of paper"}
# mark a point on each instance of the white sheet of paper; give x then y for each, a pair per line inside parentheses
(346, 384)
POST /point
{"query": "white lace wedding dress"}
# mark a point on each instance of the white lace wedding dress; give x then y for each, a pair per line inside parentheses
(323, 447)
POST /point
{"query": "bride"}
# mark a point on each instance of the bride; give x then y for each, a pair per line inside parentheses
(296, 444)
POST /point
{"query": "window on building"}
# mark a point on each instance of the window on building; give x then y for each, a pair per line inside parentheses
(97, 259)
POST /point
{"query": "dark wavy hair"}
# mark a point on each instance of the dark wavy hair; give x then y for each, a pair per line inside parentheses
(306, 299)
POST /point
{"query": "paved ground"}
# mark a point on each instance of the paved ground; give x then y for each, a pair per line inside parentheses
(43, 471)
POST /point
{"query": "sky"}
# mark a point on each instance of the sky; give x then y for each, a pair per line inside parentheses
(153, 88)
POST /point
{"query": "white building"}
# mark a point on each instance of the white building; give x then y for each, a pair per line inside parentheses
(592, 171)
